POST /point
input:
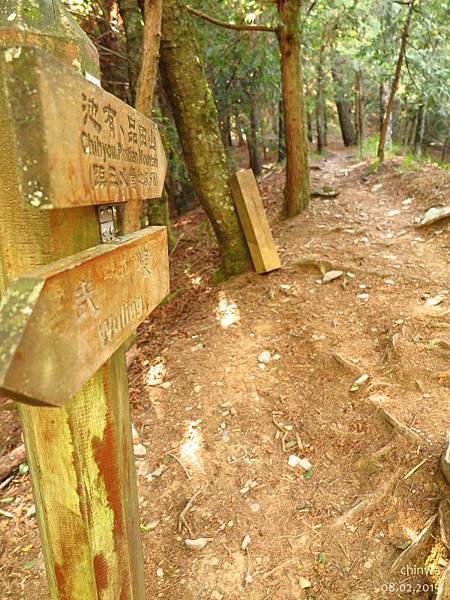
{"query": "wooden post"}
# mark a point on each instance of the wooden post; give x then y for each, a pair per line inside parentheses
(80, 456)
(254, 221)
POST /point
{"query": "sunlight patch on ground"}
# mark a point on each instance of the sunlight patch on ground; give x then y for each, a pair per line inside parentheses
(156, 372)
(191, 445)
(194, 279)
(227, 312)
(411, 533)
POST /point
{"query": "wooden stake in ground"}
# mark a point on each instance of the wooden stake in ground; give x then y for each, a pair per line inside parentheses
(254, 221)
(81, 456)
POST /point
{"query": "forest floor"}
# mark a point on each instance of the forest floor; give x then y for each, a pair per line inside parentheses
(201, 395)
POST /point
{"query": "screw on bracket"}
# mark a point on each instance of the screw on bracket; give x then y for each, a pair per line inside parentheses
(106, 219)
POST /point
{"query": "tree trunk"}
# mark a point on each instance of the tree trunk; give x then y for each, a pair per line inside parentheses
(309, 127)
(281, 134)
(420, 130)
(134, 32)
(383, 98)
(225, 128)
(344, 108)
(320, 99)
(197, 123)
(150, 58)
(320, 117)
(254, 139)
(12, 461)
(239, 132)
(413, 131)
(445, 148)
(297, 168)
(406, 130)
(359, 111)
(395, 84)
(145, 62)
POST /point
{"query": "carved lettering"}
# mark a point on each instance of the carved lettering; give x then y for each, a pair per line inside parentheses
(114, 324)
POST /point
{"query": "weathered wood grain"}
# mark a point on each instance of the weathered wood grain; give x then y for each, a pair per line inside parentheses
(254, 221)
(80, 456)
(60, 323)
(74, 143)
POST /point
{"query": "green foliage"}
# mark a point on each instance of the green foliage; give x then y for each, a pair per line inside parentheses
(371, 145)
(243, 68)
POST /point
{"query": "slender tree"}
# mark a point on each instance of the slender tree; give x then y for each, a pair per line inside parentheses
(134, 28)
(150, 56)
(297, 188)
(197, 123)
(343, 105)
(395, 82)
(143, 42)
(297, 162)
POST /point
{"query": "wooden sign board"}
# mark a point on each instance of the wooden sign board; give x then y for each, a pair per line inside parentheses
(60, 323)
(75, 144)
(254, 221)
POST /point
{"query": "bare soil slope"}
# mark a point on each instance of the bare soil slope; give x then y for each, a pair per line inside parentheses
(219, 425)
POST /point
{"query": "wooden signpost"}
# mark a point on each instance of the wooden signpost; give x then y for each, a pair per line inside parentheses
(254, 221)
(81, 309)
(68, 302)
(75, 144)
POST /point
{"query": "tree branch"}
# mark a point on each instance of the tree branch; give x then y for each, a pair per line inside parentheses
(311, 8)
(150, 57)
(234, 26)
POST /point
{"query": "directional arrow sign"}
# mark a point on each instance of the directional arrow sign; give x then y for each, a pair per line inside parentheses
(59, 324)
(75, 144)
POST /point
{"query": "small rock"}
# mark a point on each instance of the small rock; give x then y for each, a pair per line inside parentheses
(377, 187)
(295, 461)
(215, 595)
(358, 383)
(157, 472)
(417, 544)
(331, 276)
(444, 522)
(197, 544)
(264, 357)
(443, 592)
(139, 450)
(445, 460)
(304, 583)
(246, 542)
(435, 214)
(255, 507)
(198, 347)
(31, 512)
(160, 572)
(364, 296)
(368, 564)
(156, 374)
(436, 300)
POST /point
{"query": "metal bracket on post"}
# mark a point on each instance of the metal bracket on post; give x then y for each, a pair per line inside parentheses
(106, 220)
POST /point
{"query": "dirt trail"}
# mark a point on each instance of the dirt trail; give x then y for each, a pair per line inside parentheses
(232, 423)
